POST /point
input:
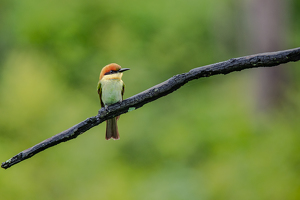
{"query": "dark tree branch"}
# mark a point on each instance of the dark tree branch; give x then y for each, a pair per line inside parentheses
(160, 90)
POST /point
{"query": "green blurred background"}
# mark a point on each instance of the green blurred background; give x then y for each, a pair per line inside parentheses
(223, 137)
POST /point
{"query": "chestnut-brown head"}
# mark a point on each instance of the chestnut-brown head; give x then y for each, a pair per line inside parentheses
(111, 69)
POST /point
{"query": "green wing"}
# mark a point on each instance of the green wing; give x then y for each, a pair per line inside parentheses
(123, 90)
(100, 93)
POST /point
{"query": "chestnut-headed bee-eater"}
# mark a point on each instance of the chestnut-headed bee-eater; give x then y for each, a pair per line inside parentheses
(111, 89)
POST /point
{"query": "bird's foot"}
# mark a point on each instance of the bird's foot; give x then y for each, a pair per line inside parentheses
(106, 108)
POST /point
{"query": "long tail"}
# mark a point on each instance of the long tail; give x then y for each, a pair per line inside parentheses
(112, 129)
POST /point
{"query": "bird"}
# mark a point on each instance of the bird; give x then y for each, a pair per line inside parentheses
(111, 89)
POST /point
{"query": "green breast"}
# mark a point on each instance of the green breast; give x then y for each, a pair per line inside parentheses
(111, 91)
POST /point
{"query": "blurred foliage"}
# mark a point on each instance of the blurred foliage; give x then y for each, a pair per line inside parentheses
(204, 141)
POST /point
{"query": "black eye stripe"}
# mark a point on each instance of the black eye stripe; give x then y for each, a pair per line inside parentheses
(110, 72)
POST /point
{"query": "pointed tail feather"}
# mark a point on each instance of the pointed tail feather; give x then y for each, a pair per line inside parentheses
(112, 129)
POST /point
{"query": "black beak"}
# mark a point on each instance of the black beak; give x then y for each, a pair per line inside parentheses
(123, 69)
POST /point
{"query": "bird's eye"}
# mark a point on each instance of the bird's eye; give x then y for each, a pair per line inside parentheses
(110, 72)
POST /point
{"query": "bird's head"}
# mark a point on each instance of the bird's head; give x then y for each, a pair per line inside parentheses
(112, 68)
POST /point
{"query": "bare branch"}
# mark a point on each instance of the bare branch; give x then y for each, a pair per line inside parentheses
(160, 90)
